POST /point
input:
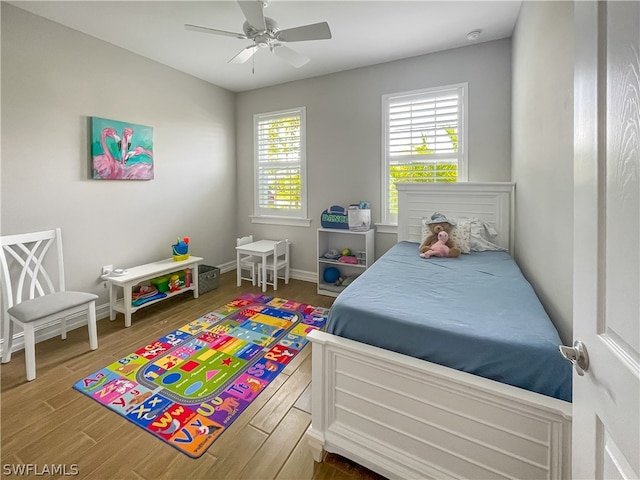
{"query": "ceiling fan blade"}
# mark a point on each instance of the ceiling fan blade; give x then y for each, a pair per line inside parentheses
(292, 57)
(196, 28)
(252, 10)
(316, 31)
(244, 55)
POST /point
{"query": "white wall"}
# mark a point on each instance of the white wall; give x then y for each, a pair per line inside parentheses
(543, 154)
(53, 80)
(344, 132)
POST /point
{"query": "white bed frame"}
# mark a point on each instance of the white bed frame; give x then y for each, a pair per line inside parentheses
(407, 418)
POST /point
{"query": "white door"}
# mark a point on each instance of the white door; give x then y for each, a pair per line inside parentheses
(606, 408)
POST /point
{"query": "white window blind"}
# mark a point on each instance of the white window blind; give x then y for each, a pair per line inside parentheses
(424, 140)
(280, 163)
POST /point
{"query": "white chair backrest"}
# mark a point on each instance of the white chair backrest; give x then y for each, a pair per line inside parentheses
(281, 249)
(244, 240)
(24, 274)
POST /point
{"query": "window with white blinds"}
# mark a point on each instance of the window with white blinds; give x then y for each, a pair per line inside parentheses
(424, 140)
(280, 163)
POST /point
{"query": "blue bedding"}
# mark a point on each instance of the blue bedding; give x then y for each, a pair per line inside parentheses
(476, 313)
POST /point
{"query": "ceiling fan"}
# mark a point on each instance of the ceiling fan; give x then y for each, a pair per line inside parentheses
(264, 33)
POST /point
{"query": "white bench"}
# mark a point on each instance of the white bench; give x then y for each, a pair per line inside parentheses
(139, 274)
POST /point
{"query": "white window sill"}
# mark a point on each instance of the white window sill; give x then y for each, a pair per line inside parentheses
(386, 228)
(273, 220)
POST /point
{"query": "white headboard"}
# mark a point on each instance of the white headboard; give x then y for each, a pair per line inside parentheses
(492, 202)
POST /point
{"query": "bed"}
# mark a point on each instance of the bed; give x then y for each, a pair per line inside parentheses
(448, 379)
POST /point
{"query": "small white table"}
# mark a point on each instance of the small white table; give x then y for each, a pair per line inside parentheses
(141, 273)
(261, 248)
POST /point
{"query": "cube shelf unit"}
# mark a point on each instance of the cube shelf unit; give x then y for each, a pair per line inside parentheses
(337, 239)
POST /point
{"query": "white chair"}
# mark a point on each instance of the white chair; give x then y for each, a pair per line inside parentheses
(275, 263)
(29, 296)
(248, 262)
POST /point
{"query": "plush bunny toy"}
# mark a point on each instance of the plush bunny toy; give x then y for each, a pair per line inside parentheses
(438, 249)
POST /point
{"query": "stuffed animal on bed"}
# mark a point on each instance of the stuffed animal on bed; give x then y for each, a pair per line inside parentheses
(439, 223)
(438, 249)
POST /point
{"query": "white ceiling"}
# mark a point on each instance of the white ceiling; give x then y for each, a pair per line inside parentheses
(364, 32)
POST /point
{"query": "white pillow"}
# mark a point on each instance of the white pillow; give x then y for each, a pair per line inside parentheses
(460, 234)
(483, 236)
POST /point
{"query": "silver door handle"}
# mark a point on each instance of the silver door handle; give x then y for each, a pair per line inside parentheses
(577, 355)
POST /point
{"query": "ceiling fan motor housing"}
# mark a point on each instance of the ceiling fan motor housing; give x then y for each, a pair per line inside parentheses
(271, 30)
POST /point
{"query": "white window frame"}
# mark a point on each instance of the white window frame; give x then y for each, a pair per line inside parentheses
(390, 219)
(296, 217)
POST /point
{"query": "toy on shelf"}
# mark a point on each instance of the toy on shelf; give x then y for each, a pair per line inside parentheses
(161, 283)
(344, 281)
(331, 255)
(181, 249)
(348, 259)
(144, 293)
(331, 274)
(174, 282)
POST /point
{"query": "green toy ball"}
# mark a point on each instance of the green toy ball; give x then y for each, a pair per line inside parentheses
(346, 252)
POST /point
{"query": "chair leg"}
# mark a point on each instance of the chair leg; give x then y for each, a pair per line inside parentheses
(30, 350)
(91, 323)
(286, 274)
(8, 339)
(63, 326)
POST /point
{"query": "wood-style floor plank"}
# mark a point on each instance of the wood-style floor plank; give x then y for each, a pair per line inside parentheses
(47, 422)
(304, 400)
(280, 404)
(237, 453)
(299, 464)
(275, 451)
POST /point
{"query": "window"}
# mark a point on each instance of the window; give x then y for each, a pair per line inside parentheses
(424, 140)
(280, 166)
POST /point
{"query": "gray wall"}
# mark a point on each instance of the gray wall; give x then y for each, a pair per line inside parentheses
(53, 79)
(344, 132)
(543, 154)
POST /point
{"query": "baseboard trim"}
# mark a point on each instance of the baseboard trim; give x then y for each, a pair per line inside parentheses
(227, 267)
(304, 275)
(296, 274)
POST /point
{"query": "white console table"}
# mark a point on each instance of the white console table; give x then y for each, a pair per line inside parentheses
(139, 274)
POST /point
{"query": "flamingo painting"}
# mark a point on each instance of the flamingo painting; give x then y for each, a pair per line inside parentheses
(104, 164)
(129, 157)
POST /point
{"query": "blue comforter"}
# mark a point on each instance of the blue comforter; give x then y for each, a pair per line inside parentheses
(476, 313)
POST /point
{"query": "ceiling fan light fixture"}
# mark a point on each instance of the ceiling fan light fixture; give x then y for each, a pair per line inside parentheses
(474, 35)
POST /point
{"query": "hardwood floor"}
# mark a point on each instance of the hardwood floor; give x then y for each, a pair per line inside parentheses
(47, 424)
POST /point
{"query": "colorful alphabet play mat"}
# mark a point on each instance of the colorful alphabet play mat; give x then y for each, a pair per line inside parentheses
(187, 387)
